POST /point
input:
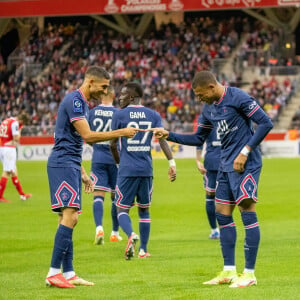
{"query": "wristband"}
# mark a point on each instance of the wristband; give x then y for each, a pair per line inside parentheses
(172, 163)
(245, 151)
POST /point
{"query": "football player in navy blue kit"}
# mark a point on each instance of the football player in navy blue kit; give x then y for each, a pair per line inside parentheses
(209, 170)
(104, 170)
(231, 111)
(65, 172)
(135, 165)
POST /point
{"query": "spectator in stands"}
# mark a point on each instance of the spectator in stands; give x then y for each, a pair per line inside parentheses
(164, 63)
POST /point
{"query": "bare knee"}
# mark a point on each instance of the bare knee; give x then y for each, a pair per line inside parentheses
(211, 194)
(69, 217)
(247, 205)
(6, 174)
(120, 210)
(143, 209)
(99, 193)
(224, 209)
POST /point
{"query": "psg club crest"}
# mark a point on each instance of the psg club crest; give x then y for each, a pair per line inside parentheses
(111, 7)
(175, 5)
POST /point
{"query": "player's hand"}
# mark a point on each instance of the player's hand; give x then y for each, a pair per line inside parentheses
(88, 184)
(130, 132)
(239, 163)
(200, 167)
(160, 133)
(172, 173)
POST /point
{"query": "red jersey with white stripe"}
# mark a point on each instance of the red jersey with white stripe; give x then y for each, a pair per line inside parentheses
(8, 129)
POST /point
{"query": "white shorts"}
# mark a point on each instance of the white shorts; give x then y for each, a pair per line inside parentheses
(8, 156)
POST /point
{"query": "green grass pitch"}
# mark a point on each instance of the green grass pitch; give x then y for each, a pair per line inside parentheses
(182, 255)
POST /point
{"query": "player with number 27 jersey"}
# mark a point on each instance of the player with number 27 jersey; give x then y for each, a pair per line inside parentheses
(135, 153)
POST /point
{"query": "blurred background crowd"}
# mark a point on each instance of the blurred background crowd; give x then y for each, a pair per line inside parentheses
(52, 62)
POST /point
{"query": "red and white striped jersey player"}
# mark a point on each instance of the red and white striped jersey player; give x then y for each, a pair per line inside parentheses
(9, 139)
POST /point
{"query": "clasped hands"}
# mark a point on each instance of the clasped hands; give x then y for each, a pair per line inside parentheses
(159, 133)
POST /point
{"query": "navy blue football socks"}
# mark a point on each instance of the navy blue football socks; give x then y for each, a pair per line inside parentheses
(67, 262)
(114, 216)
(144, 224)
(211, 211)
(98, 210)
(252, 238)
(62, 241)
(227, 238)
(125, 223)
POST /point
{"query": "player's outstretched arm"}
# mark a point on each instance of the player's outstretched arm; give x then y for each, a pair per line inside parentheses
(83, 128)
(86, 180)
(168, 153)
(159, 133)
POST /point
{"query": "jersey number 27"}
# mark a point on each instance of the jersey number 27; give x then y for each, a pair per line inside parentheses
(140, 124)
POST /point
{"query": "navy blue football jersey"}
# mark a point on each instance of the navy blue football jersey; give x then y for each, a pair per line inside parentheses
(212, 152)
(232, 118)
(135, 153)
(67, 150)
(100, 120)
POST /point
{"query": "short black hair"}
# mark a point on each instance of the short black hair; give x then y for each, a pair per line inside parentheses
(98, 72)
(203, 78)
(136, 87)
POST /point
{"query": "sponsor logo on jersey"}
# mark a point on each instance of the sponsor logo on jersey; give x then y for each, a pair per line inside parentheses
(138, 148)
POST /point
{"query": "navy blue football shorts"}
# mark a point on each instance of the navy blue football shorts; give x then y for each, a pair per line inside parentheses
(104, 176)
(234, 187)
(210, 180)
(65, 188)
(129, 188)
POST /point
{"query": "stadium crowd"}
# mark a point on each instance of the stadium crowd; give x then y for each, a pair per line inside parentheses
(164, 62)
(296, 119)
(263, 47)
(272, 95)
